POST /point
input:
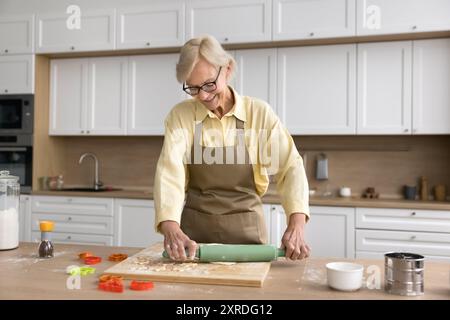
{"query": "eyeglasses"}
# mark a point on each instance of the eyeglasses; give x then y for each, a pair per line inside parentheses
(207, 86)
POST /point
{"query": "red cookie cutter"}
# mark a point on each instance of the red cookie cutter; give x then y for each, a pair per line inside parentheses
(141, 285)
(112, 285)
(92, 260)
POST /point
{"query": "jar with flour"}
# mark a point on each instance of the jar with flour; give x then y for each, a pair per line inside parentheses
(9, 211)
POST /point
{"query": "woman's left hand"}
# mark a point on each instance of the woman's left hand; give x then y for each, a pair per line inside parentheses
(293, 240)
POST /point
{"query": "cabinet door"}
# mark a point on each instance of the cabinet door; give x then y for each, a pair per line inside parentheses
(107, 96)
(277, 224)
(25, 218)
(331, 232)
(306, 19)
(152, 92)
(55, 33)
(161, 25)
(232, 21)
(135, 221)
(256, 74)
(402, 16)
(431, 79)
(16, 74)
(68, 96)
(384, 88)
(17, 34)
(316, 90)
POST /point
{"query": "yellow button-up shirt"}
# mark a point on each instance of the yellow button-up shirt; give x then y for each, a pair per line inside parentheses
(270, 146)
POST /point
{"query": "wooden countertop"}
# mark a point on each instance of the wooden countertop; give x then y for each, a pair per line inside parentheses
(24, 276)
(273, 198)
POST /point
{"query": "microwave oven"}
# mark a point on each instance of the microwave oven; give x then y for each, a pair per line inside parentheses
(16, 114)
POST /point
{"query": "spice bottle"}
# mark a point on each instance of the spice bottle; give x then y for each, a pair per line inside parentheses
(46, 246)
(423, 188)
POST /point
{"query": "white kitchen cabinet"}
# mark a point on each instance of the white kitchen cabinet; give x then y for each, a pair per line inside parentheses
(68, 96)
(159, 25)
(232, 21)
(135, 223)
(107, 96)
(17, 34)
(402, 16)
(88, 96)
(306, 19)
(316, 92)
(256, 74)
(431, 79)
(78, 220)
(17, 74)
(330, 231)
(384, 87)
(425, 232)
(73, 238)
(25, 218)
(152, 92)
(59, 32)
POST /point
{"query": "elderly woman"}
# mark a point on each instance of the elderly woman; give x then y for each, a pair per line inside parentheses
(214, 165)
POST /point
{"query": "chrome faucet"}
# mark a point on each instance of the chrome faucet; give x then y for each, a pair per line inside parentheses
(97, 183)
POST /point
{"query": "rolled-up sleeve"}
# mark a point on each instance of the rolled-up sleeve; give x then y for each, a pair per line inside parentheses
(171, 176)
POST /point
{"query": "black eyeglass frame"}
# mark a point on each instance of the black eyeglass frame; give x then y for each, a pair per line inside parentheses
(187, 89)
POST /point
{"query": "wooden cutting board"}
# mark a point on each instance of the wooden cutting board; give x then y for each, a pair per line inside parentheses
(148, 264)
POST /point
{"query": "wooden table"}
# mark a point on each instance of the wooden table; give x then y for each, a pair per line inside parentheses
(24, 276)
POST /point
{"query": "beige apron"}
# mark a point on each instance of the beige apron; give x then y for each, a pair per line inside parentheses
(222, 205)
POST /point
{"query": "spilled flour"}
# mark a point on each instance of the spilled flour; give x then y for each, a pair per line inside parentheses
(29, 259)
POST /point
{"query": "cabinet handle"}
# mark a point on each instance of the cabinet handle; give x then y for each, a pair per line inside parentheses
(413, 213)
(413, 237)
(6, 50)
(87, 131)
(414, 27)
(72, 48)
(226, 39)
(69, 237)
(148, 44)
(69, 218)
(69, 200)
(6, 90)
(311, 34)
(82, 131)
(405, 130)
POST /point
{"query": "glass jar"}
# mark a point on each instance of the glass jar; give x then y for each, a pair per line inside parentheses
(9, 211)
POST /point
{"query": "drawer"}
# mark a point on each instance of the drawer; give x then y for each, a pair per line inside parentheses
(74, 238)
(403, 219)
(435, 244)
(75, 223)
(73, 205)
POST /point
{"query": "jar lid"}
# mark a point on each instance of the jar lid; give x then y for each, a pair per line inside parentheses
(4, 175)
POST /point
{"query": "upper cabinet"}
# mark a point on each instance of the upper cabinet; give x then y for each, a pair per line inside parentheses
(431, 79)
(17, 74)
(232, 21)
(152, 92)
(384, 87)
(59, 32)
(256, 74)
(306, 19)
(402, 16)
(316, 91)
(159, 25)
(16, 34)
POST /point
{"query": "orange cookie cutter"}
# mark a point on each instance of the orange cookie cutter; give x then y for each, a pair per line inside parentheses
(108, 277)
(117, 257)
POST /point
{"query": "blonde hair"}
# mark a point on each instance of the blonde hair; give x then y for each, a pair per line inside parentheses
(206, 47)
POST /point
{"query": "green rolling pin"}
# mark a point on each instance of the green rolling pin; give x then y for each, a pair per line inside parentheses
(236, 253)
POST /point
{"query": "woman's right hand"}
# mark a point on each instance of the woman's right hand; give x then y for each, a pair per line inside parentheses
(176, 242)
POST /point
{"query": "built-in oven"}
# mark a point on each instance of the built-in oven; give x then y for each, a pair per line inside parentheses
(16, 114)
(16, 156)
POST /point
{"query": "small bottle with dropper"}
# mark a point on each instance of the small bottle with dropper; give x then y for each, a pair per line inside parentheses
(46, 246)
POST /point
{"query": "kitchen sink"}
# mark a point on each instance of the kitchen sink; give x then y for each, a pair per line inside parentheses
(85, 189)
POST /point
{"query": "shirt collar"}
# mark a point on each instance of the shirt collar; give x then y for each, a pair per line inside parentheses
(238, 109)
